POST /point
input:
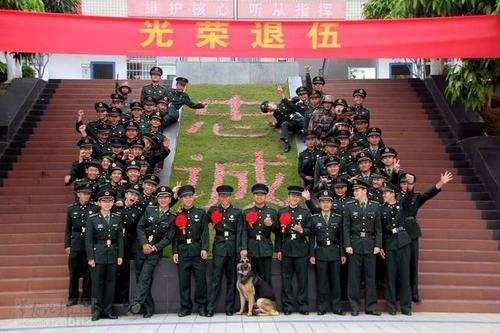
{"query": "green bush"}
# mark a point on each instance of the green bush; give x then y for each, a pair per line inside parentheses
(28, 71)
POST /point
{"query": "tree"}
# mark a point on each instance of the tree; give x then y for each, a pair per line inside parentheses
(472, 81)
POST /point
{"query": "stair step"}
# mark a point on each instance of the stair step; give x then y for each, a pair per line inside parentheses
(461, 292)
(36, 283)
(458, 244)
(460, 255)
(456, 279)
(443, 266)
(11, 272)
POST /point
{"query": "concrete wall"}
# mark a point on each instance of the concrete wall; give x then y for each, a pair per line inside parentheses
(237, 73)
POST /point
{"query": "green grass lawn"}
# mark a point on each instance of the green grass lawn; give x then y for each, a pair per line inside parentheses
(238, 153)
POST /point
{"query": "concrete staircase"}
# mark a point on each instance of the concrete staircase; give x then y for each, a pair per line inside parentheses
(460, 266)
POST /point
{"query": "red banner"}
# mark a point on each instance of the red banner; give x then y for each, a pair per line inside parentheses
(447, 37)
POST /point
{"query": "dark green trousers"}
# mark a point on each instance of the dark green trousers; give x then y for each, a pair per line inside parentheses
(103, 288)
(263, 268)
(290, 267)
(328, 285)
(197, 267)
(144, 272)
(223, 266)
(398, 273)
(78, 267)
(356, 264)
(414, 249)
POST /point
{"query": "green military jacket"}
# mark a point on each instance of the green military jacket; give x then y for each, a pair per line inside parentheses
(74, 233)
(178, 99)
(362, 227)
(325, 241)
(195, 236)
(289, 242)
(155, 229)
(103, 240)
(256, 237)
(130, 218)
(416, 200)
(158, 91)
(393, 219)
(227, 241)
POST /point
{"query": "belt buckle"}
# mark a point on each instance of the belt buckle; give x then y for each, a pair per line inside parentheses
(394, 230)
(189, 241)
(328, 242)
(362, 234)
(226, 233)
(294, 236)
(108, 243)
(150, 238)
(258, 237)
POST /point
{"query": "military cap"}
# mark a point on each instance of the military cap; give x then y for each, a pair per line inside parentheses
(342, 134)
(389, 187)
(136, 105)
(363, 156)
(114, 111)
(100, 106)
(314, 95)
(156, 115)
(327, 99)
(156, 70)
(106, 194)
(359, 118)
(152, 179)
(149, 100)
(340, 101)
(294, 189)
(359, 92)
(358, 183)
(332, 161)
(116, 141)
(163, 100)
(150, 137)
(343, 121)
(93, 163)
(185, 190)
(163, 191)
(131, 125)
(263, 106)
(224, 189)
(388, 151)
(143, 160)
(301, 90)
(340, 182)
(404, 179)
(104, 128)
(310, 135)
(355, 146)
(85, 142)
(133, 165)
(325, 195)
(137, 143)
(125, 85)
(374, 131)
(116, 97)
(107, 156)
(116, 166)
(376, 175)
(260, 188)
(181, 80)
(318, 80)
(134, 188)
(333, 142)
(84, 187)
(348, 111)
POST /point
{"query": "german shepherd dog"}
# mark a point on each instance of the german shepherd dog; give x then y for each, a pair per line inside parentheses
(252, 289)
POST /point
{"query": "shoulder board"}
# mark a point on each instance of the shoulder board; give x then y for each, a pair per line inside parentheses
(375, 202)
(73, 204)
(116, 214)
(92, 215)
(350, 202)
(318, 214)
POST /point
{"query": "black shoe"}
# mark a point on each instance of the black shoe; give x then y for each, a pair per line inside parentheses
(71, 302)
(110, 316)
(135, 308)
(416, 299)
(203, 313)
(321, 313)
(406, 313)
(95, 317)
(373, 313)
(86, 303)
(147, 315)
(355, 313)
(209, 313)
(392, 313)
(287, 147)
(305, 313)
(229, 313)
(184, 313)
(339, 312)
(287, 312)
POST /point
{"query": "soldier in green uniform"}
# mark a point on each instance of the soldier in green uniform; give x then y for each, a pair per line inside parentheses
(390, 165)
(344, 140)
(351, 164)
(359, 96)
(331, 149)
(260, 222)
(74, 243)
(375, 144)
(411, 224)
(149, 105)
(77, 170)
(307, 160)
(365, 164)
(326, 252)
(101, 109)
(155, 88)
(125, 90)
(360, 124)
(293, 251)
(178, 97)
(316, 84)
(332, 166)
(155, 231)
(362, 242)
(227, 222)
(396, 251)
(313, 106)
(136, 109)
(147, 197)
(190, 248)
(104, 246)
(116, 128)
(130, 213)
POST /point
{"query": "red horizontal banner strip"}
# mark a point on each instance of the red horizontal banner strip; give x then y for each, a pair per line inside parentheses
(444, 37)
